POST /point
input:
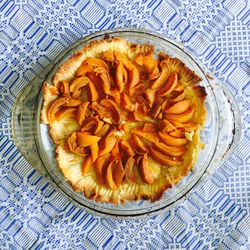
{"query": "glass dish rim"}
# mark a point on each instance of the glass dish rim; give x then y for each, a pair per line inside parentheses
(176, 44)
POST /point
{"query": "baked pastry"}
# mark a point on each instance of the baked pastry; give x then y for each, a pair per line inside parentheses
(125, 121)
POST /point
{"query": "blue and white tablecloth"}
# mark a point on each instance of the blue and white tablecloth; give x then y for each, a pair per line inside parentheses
(33, 215)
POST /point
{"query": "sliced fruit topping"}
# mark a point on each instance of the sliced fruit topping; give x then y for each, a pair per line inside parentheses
(170, 150)
(150, 127)
(178, 107)
(164, 159)
(150, 64)
(183, 117)
(169, 86)
(166, 126)
(107, 145)
(118, 172)
(94, 151)
(100, 167)
(87, 163)
(113, 109)
(81, 112)
(137, 144)
(149, 136)
(126, 148)
(160, 81)
(149, 95)
(145, 170)
(65, 113)
(109, 175)
(84, 139)
(172, 141)
(57, 104)
(64, 88)
(177, 96)
(126, 102)
(92, 125)
(130, 175)
(121, 77)
(179, 133)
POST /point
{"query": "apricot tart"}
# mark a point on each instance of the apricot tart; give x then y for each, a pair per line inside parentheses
(125, 121)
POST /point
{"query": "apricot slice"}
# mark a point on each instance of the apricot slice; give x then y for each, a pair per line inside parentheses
(93, 93)
(164, 159)
(94, 151)
(65, 112)
(144, 170)
(177, 96)
(130, 176)
(121, 77)
(92, 125)
(84, 139)
(109, 143)
(81, 112)
(149, 136)
(166, 126)
(101, 111)
(72, 141)
(56, 105)
(64, 88)
(177, 124)
(87, 163)
(179, 133)
(103, 130)
(172, 141)
(169, 86)
(134, 77)
(149, 94)
(178, 107)
(96, 62)
(126, 102)
(142, 105)
(150, 127)
(137, 144)
(113, 108)
(118, 172)
(116, 95)
(83, 70)
(156, 109)
(115, 150)
(183, 117)
(73, 146)
(170, 150)
(100, 167)
(150, 64)
(77, 84)
(109, 176)
(126, 148)
(89, 65)
(160, 81)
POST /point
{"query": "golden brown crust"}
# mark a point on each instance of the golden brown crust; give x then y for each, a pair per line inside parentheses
(50, 93)
(71, 164)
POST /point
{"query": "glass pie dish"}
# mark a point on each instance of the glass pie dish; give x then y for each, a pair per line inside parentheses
(220, 134)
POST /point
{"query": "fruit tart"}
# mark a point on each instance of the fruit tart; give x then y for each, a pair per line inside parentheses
(125, 121)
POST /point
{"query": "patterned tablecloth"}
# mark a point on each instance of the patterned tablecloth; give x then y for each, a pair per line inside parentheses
(33, 215)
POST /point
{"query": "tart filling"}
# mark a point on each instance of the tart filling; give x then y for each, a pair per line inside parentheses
(124, 120)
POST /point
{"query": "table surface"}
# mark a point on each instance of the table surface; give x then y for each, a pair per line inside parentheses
(33, 215)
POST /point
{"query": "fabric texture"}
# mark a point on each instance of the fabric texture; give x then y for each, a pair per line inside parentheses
(33, 215)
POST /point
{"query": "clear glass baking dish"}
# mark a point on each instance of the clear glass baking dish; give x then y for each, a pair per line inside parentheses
(220, 134)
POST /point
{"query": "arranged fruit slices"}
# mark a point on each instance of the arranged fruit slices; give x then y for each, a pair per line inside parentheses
(125, 121)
